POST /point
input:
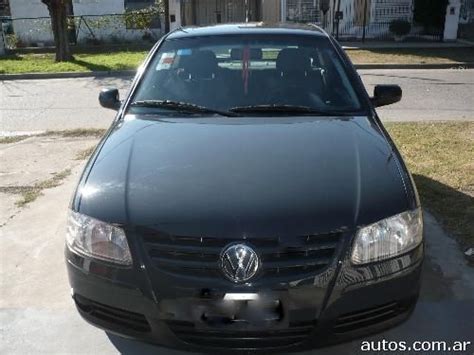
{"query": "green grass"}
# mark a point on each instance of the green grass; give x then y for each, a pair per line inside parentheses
(31, 193)
(12, 139)
(83, 62)
(85, 153)
(441, 158)
(70, 133)
(78, 132)
(412, 55)
(130, 60)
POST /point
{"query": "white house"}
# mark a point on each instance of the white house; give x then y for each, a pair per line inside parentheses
(376, 14)
(104, 20)
(101, 19)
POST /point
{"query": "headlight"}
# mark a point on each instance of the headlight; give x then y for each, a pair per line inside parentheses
(90, 237)
(388, 237)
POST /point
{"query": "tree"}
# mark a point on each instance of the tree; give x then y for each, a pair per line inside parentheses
(59, 25)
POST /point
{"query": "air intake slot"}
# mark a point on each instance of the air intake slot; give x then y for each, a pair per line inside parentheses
(368, 317)
(115, 317)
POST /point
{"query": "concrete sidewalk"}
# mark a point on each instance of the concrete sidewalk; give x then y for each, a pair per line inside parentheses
(37, 314)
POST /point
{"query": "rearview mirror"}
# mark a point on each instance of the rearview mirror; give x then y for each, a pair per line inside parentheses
(386, 95)
(110, 98)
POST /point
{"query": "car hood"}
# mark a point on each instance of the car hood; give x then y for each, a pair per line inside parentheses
(243, 176)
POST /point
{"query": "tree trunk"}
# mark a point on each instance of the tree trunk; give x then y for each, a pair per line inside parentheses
(58, 14)
(167, 15)
(2, 42)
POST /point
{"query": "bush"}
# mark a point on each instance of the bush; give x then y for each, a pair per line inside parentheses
(400, 27)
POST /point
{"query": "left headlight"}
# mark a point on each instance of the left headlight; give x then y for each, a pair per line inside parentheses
(90, 237)
(388, 238)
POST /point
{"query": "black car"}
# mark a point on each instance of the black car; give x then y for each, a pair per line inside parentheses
(246, 197)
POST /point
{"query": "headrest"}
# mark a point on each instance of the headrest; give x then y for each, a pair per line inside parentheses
(255, 53)
(200, 64)
(293, 60)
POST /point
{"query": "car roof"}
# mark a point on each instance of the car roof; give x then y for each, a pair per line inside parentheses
(251, 28)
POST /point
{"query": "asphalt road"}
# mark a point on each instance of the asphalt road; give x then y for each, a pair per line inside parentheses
(38, 105)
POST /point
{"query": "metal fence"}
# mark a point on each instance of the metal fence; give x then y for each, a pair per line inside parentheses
(87, 29)
(350, 31)
(121, 28)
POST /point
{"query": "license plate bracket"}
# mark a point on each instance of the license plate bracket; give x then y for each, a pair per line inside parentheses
(241, 311)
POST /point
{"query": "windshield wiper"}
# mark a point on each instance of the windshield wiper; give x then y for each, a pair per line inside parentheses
(285, 109)
(181, 107)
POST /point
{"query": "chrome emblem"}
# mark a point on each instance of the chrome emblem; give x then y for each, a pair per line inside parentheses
(239, 262)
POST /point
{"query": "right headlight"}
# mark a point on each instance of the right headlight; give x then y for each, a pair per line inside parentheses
(90, 237)
(388, 238)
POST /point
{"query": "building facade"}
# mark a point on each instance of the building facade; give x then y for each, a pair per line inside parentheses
(466, 20)
(98, 20)
(104, 19)
(208, 12)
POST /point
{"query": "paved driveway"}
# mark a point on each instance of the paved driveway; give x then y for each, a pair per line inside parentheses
(38, 316)
(56, 104)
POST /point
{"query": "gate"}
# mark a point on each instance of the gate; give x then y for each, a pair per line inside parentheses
(208, 12)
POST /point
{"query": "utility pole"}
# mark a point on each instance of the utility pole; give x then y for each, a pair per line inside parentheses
(283, 10)
(247, 10)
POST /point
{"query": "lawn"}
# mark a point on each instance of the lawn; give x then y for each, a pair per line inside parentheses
(125, 60)
(441, 158)
(83, 62)
(412, 55)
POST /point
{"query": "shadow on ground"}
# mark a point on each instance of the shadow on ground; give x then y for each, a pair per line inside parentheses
(90, 66)
(453, 208)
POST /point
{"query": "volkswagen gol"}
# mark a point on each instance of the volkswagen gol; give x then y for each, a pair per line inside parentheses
(246, 197)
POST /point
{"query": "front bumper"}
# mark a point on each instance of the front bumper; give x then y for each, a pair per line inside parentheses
(339, 304)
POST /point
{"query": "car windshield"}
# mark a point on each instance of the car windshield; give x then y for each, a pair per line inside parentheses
(247, 74)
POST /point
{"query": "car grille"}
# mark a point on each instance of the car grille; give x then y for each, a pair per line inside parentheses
(296, 333)
(199, 256)
(368, 317)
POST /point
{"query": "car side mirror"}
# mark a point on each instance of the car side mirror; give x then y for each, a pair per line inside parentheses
(110, 98)
(386, 95)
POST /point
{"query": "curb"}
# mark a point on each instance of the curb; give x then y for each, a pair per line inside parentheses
(468, 65)
(90, 74)
(456, 45)
(26, 76)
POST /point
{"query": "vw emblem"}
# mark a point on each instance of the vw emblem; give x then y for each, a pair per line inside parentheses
(239, 262)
